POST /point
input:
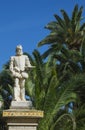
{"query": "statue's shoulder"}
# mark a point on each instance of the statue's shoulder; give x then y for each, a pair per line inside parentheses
(12, 57)
(25, 56)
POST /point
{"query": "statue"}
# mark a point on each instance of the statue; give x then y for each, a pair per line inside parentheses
(19, 65)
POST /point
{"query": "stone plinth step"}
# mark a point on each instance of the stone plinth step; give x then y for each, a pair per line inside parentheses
(21, 104)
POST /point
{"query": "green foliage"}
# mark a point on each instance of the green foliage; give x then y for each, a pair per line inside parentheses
(67, 45)
(67, 30)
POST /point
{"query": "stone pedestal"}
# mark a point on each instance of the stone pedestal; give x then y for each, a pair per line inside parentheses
(22, 119)
(21, 116)
(21, 105)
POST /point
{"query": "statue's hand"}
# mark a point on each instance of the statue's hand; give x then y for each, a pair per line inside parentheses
(29, 67)
(16, 69)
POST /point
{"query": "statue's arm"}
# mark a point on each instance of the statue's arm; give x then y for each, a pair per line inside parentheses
(28, 64)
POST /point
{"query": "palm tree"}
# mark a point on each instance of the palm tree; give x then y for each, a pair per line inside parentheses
(48, 93)
(67, 44)
(66, 31)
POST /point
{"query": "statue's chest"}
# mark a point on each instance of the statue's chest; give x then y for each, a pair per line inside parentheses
(19, 60)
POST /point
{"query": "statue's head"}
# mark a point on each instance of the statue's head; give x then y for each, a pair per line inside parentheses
(19, 50)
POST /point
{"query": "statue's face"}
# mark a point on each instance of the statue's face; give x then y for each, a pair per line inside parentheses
(19, 52)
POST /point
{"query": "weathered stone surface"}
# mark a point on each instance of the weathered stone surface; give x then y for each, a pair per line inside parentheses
(21, 104)
(22, 119)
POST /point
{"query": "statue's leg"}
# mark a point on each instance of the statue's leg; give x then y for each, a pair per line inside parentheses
(16, 90)
(22, 89)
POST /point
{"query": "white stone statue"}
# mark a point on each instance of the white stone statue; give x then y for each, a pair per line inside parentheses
(19, 64)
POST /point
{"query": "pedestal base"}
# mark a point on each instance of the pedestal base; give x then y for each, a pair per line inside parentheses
(21, 104)
(22, 119)
(22, 128)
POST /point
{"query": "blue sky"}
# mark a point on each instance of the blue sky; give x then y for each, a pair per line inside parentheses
(22, 22)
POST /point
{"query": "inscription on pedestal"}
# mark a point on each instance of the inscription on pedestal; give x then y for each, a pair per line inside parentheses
(23, 113)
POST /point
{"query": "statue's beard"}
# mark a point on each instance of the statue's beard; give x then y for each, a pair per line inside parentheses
(19, 53)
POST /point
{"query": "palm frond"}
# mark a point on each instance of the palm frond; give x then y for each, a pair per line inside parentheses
(59, 20)
(66, 18)
(51, 26)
